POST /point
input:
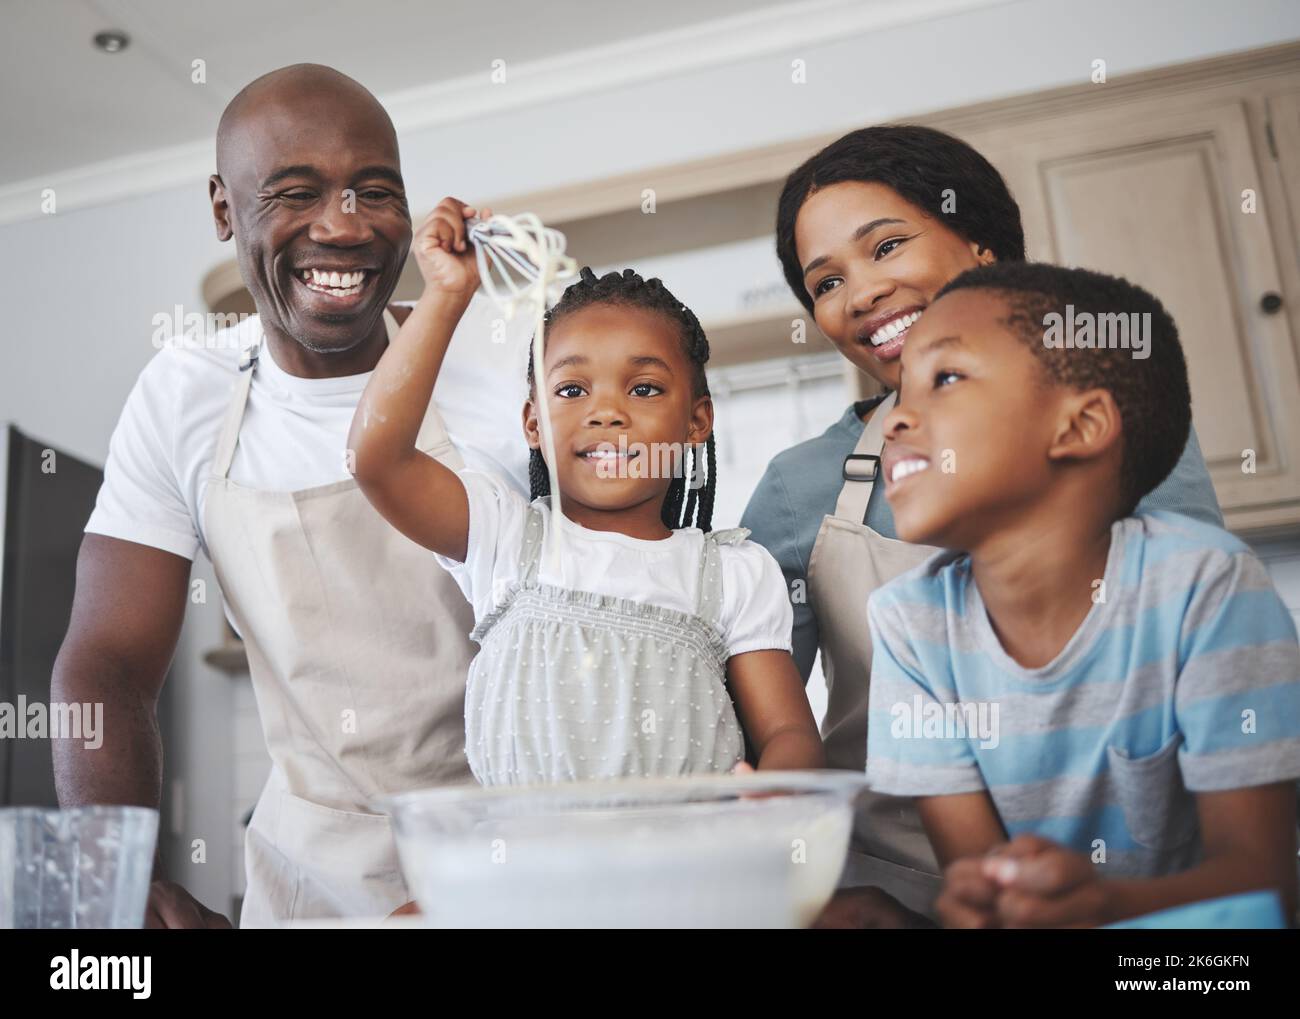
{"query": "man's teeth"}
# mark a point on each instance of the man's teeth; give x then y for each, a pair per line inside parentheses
(890, 330)
(337, 284)
(904, 468)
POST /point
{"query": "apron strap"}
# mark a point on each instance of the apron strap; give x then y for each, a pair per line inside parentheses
(432, 438)
(530, 547)
(235, 410)
(710, 586)
(863, 464)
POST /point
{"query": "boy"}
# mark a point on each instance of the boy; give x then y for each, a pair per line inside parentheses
(1099, 713)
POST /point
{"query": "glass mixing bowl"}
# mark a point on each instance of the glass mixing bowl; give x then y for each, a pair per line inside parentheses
(755, 850)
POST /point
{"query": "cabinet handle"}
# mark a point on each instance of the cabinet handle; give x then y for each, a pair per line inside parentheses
(1270, 303)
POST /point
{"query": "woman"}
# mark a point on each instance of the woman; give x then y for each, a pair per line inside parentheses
(868, 231)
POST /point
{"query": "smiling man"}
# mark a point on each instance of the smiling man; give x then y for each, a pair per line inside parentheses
(357, 640)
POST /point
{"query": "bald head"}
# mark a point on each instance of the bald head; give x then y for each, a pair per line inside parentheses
(305, 92)
(309, 182)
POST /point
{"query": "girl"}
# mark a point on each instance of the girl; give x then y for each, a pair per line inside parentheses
(621, 661)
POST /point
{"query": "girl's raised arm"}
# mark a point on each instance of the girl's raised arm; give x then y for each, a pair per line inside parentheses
(419, 496)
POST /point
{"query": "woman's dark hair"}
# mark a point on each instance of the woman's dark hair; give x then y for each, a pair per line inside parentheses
(687, 504)
(926, 167)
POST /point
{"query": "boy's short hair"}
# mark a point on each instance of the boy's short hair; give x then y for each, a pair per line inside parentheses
(924, 166)
(1149, 386)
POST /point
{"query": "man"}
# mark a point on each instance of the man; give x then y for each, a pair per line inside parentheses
(357, 641)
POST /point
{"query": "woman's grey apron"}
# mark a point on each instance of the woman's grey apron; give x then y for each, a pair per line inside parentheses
(849, 560)
(358, 653)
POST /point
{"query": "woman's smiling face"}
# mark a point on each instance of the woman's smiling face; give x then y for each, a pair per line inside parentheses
(872, 262)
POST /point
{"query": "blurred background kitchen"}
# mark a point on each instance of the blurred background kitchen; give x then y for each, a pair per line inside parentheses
(655, 136)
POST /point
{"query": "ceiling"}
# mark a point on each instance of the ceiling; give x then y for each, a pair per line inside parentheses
(66, 104)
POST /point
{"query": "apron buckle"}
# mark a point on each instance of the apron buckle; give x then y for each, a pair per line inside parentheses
(867, 472)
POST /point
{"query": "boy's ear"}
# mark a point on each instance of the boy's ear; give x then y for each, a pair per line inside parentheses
(532, 426)
(701, 420)
(1089, 426)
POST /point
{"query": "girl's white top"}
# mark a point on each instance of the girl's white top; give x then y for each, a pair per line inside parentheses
(755, 612)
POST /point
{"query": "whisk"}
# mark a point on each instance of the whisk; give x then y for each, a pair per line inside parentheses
(521, 263)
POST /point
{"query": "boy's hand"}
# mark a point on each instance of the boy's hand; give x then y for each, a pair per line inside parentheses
(969, 897)
(1042, 884)
(443, 250)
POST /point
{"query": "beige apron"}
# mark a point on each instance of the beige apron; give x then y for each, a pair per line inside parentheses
(358, 648)
(849, 560)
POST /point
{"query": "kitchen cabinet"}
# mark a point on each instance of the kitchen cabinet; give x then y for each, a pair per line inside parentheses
(1180, 193)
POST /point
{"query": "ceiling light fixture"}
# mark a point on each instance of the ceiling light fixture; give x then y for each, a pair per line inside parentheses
(112, 41)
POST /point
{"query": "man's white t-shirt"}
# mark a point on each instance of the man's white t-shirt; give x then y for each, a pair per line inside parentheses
(294, 431)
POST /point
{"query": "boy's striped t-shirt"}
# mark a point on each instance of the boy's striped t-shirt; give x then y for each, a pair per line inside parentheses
(1184, 677)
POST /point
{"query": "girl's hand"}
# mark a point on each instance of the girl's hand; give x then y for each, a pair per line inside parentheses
(444, 252)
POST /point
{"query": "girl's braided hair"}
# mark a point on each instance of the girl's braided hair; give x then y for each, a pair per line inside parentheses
(687, 503)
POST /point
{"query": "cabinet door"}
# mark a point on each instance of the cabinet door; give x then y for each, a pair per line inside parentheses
(1153, 190)
(1283, 138)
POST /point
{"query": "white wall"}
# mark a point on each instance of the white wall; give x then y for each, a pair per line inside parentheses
(80, 288)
